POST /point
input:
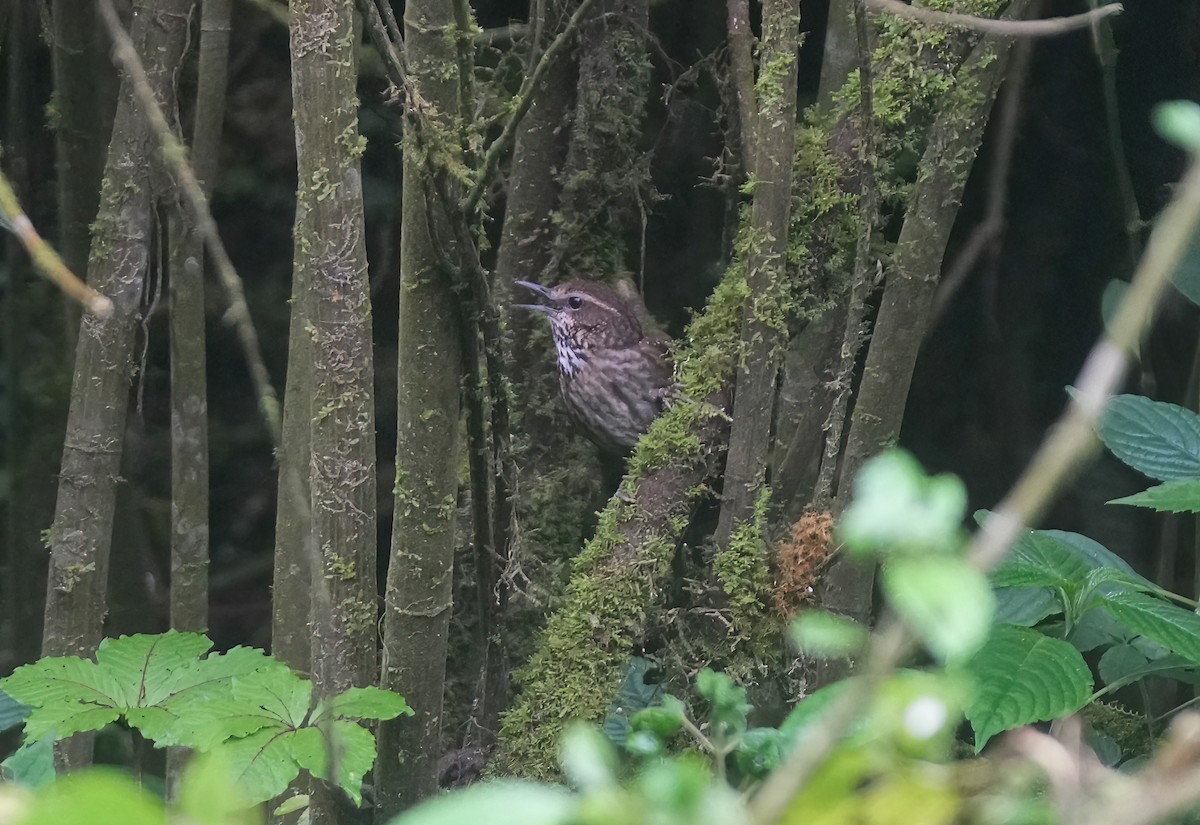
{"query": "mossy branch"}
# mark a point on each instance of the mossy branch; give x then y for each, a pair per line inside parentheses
(45, 258)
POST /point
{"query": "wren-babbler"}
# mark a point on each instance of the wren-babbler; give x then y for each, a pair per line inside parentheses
(615, 379)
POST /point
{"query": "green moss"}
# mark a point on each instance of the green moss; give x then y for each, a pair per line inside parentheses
(341, 568)
(744, 568)
(1130, 730)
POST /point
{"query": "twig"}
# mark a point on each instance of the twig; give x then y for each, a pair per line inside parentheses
(524, 100)
(175, 156)
(987, 233)
(1064, 449)
(45, 258)
(1050, 27)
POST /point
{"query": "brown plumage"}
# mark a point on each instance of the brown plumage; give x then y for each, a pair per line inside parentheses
(615, 380)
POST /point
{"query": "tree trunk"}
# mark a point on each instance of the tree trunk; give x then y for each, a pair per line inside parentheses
(605, 168)
(80, 538)
(765, 319)
(331, 251)
(189, 380)
(418, 599)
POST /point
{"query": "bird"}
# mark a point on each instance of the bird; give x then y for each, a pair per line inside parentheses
(614, 378)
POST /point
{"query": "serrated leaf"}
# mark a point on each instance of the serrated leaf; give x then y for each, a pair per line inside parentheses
(262, 764)
(504, 802)
(365, 703)
(1025, 606)
(154, 680)
(1023, 677)
(1038, 559)
(945, 600)
(1155, 438)
(66, 695)
(1174, 628)
(1181, 496)
(1093, 552)
(352, 744)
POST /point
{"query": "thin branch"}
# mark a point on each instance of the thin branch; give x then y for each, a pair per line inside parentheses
(987, 233)
(45, 258)
(175, 156)
(524, 100)
(1073, 437)
(1050, 27)
(1067, 445)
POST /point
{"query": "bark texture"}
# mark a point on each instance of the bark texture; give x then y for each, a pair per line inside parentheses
(605, 170)
(330, 249)
(189, 391)
(951, 143)
(765, 319)
(81, 536)
(418, 598)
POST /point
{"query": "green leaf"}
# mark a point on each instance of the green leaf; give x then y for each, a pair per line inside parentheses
(153, 680)
(262, 764)
(11, 711)
(1174, 628)
(587, 758)
(1120, 663)
(635, 694)
(297, 802)
(1179, 122)
(1093, 552)
(664, 721)
(206, 796)
(1025, 606)
(95, 797)
(822, 635)
(760, 751)
(66, 695)
(1022, 677)
(1096, 628)
(1155, 438)
(1181, 496)
(353, 745)
(946, 601)
(808, 712)
(897, 508)
(366, 703)
(504, 802)
(1038, 559)
(729, 708)
(32, 765)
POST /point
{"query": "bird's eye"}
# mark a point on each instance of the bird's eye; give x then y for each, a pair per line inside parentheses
(574, 302)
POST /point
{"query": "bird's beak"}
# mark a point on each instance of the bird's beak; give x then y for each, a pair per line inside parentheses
(540, 290)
